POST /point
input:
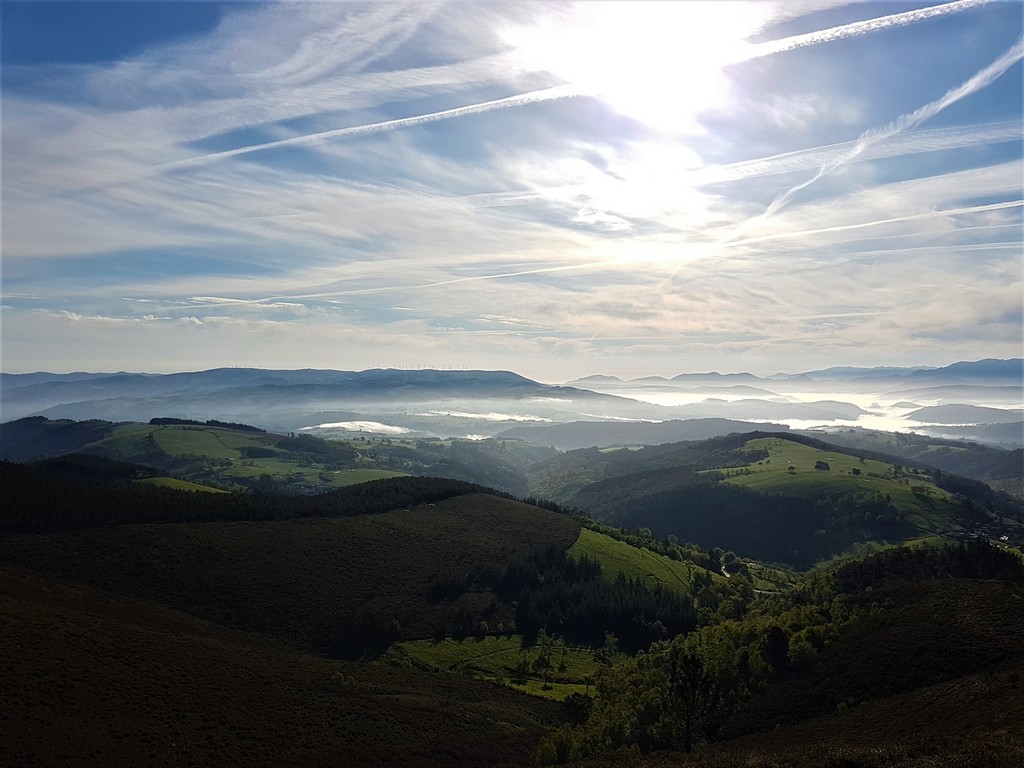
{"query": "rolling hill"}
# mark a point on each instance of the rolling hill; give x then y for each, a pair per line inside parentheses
(404, 621)
(777, 498)
(237, 456)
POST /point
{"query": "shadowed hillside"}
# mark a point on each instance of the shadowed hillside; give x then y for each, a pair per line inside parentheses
(94, 678)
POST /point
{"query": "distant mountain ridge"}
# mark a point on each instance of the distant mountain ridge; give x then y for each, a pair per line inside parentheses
(244, 393)
(1007, 371)
(474, 403)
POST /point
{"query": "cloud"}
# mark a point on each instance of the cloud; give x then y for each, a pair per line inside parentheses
(281, 74)
(904, 122)
(317, 201)
(508, 102)
(858, 28)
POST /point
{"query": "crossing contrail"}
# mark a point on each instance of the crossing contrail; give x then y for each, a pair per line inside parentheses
(896, 219)
(903, 123)
(569, 90)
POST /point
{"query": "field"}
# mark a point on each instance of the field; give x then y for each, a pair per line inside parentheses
(618, 557)
(180, 485)
(791, 468)
(497, 659)
(233, 459)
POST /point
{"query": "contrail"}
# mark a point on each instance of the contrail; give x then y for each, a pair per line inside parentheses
(903, 123)
(931, 140)
(812, 158)
(858, 28)
(894, 220)
(538, 271)
(568, 91)
(546, 94)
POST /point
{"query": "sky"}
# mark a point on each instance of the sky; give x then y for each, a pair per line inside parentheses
(558, 189)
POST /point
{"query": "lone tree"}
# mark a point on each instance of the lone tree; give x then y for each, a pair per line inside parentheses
(693, 696)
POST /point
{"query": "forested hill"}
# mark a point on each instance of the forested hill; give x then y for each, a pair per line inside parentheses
(775, 497)
(233, 456)
(79, 491)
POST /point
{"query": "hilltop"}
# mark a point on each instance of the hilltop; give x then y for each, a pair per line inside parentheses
(775, 497)
(241, 457)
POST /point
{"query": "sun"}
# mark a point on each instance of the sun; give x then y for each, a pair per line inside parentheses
(661, 63)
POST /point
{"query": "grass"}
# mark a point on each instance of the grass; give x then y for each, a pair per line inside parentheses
(618, 557)
(495, 658)
(219, 450)
(790, 468)
(180, 485)
(202, 441)
(770, 578)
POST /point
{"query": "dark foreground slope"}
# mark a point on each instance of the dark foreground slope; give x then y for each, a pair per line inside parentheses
(334, 585)
(90, 678)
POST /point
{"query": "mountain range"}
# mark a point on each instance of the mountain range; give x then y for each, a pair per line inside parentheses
(437, 403)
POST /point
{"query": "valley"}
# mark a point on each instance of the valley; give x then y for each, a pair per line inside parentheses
(410, 598)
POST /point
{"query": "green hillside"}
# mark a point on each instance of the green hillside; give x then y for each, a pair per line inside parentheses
(237, 457)
(619, 558)
(979, 462)
(402, 621)
(551, 669)
(812, 472)
(776, 498)
(180, 485)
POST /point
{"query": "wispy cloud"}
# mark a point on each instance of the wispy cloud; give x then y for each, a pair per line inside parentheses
(310, 178)
(905, 122)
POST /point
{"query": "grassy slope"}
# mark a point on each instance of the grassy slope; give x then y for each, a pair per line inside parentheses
(666, 488)
(618, 557)
(180, 485)
(298, 580)
(221, 452)
(241, 458)
(495, 658)
(91, 678)
(927, 505)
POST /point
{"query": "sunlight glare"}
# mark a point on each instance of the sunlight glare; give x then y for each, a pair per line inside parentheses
(658, 62)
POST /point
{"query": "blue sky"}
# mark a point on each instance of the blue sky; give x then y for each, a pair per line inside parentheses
(553, 188)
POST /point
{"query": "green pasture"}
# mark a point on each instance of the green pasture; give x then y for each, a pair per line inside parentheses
(790, 468)
(127, 439)
(315, 474)
(198, 441)
(496, 658)
(618, 557)
(770, 578)
(180, 485)
(221, 449)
